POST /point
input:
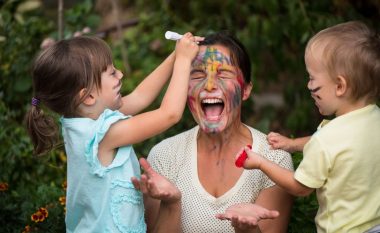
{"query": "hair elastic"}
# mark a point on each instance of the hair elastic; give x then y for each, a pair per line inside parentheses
(35, 101)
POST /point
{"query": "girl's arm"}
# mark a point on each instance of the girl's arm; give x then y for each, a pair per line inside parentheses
(149, 124)
(144, 94)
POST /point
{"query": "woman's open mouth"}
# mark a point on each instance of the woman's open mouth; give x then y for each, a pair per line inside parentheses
(212, 108)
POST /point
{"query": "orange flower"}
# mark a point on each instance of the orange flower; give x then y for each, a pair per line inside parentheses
(44, 212)
(64, 185)
(27, 229)
(3, 186)
(62, 156)
(40, 215)
(62, 200)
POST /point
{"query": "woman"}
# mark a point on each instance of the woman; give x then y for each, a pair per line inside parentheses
(201, 161)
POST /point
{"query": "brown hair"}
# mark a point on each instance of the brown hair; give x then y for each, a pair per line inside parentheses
(59, 73)
(351, 50)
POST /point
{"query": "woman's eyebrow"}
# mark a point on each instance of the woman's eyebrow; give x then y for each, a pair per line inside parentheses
(196, 70)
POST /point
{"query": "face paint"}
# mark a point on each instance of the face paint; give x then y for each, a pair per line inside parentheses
(215, 90)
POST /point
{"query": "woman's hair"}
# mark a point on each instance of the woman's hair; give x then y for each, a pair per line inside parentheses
(351, 50)
(239, 55)
(60, 72)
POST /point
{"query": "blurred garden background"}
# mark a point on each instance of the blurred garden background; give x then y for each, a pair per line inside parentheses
(275, 32)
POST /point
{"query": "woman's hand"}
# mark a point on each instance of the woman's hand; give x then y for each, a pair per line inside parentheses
(155, 185)
(246, 216)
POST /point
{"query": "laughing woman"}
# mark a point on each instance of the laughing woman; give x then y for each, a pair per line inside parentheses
(200, 161)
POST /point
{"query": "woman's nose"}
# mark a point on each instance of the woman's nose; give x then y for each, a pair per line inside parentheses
(210, 83)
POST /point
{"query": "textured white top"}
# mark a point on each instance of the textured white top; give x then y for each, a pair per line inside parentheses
(176, 159)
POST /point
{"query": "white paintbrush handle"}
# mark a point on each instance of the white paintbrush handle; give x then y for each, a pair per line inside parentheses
(169, 35)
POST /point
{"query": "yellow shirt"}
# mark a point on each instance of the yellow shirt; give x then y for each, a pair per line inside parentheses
(342, 162)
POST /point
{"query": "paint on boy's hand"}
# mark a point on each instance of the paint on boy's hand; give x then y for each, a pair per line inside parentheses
(242, 157)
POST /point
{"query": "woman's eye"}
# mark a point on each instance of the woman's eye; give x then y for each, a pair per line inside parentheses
(197, 75)
(225, 75)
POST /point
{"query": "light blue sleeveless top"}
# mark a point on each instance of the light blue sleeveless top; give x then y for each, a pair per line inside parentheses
(100, 199)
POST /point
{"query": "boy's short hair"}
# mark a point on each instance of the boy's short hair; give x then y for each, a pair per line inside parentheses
(351, 50)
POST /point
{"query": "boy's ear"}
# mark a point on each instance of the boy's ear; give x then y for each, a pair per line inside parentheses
(89, 100)
(341, 86)
(247, 90)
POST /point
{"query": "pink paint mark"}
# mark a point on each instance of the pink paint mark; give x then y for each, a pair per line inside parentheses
(242, 157)
(190, 102)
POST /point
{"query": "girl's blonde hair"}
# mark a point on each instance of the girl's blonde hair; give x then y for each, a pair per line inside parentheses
(351, 50)
(60, 72)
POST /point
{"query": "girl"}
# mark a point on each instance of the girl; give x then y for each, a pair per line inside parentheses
(76, 79)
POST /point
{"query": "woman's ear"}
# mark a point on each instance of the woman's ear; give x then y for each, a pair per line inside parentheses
(247, 91)
(89, 99)
(341, 86)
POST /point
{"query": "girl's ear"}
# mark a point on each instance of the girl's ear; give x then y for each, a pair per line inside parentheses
(341, 86)
(89, 99)
(247, 90)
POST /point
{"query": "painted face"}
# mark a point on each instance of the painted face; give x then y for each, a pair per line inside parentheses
(109, 94)
(321, 85)
(215, 89)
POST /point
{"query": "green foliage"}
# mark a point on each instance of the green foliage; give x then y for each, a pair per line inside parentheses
(274, 32)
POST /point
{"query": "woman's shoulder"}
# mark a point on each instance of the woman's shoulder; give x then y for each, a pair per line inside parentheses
(176, 141)
(261, 146)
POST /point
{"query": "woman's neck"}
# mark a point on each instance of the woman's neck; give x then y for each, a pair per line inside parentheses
(236, 135)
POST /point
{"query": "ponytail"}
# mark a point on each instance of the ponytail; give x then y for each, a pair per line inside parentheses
(42, 129)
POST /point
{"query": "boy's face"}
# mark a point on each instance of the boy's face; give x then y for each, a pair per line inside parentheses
(216, 89)
(109, 96)
(321, 85)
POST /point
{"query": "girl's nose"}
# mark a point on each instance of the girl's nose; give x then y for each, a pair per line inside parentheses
(120, 75)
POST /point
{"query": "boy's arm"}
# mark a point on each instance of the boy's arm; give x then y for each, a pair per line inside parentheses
(278, 141)
(147, 91)
(279, 175)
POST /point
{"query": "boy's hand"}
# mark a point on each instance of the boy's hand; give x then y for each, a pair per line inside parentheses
(155, 185)
(278, 141)
(253, 160)
(246, 216)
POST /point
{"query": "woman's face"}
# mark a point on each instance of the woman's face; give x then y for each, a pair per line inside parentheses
(216, 89)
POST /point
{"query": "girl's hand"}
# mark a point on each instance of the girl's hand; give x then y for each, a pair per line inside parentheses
(187, 47)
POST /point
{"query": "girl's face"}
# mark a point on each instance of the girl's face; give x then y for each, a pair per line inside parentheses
(109, 95)
(215, 89)
(321, 85)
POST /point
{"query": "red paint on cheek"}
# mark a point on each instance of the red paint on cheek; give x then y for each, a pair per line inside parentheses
(190, 101)
(241, 82)
(242, 157)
